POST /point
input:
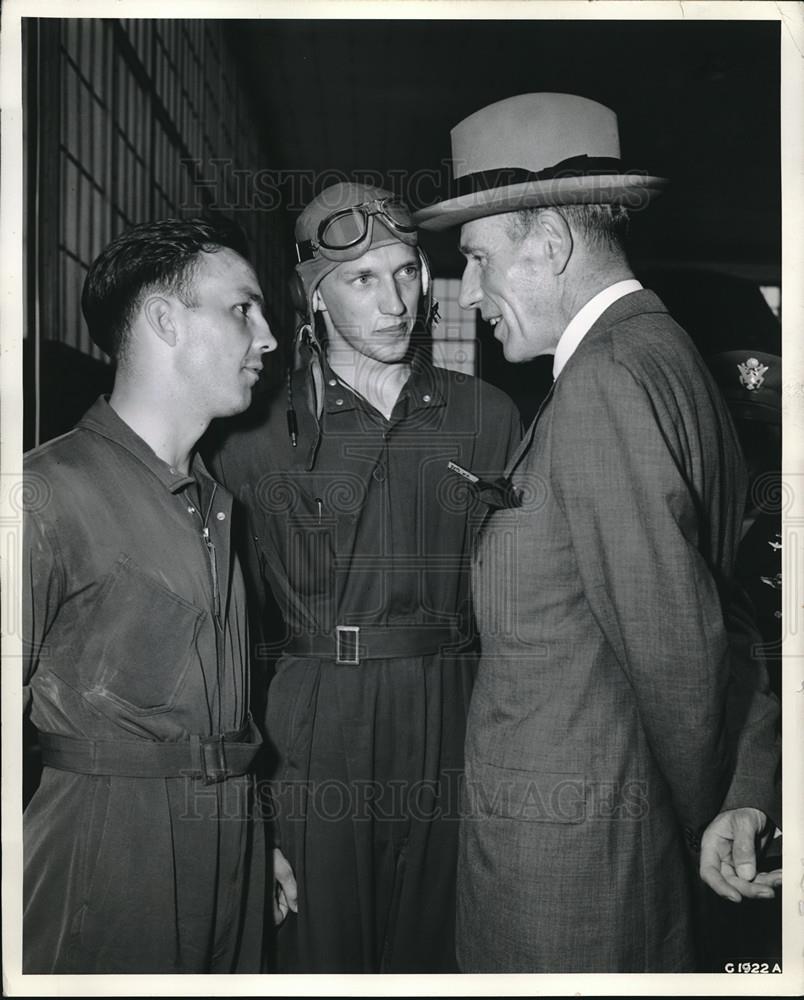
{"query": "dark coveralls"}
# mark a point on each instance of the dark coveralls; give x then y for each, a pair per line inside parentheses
(363, 525)
(136, 652)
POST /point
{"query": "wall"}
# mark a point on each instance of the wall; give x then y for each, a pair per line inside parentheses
(126, 120)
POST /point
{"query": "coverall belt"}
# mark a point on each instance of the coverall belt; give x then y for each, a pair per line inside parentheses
(210, 758)
(349, 644)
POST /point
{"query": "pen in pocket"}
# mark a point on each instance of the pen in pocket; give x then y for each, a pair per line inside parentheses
(454, 467)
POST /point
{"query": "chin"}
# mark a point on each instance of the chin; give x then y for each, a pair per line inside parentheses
(236, 406)
(392, 355)
(517, 352)
(511, 354)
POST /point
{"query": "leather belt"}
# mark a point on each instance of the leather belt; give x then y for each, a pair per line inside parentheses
(350, 644)
(210, 758)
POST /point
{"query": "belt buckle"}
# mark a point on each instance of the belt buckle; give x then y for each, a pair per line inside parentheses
(345, 645)
(213, 760)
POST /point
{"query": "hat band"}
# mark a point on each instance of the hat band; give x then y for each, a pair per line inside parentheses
(500, 177)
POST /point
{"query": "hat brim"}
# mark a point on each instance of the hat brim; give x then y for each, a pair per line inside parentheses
(766, 411)
(631, 191)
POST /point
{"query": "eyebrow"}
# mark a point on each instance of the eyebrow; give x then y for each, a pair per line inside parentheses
(357, 273)
(349, 273)
(251, 295)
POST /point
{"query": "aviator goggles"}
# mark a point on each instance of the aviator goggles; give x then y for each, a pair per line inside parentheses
(347, 234)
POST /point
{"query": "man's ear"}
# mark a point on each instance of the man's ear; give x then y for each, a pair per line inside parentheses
(158, 312)
(557, 239)
(318, 302)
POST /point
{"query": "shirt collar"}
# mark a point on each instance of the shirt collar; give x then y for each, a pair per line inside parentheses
(586, 317)
(425, 386)
(422, 389)
(103, 420)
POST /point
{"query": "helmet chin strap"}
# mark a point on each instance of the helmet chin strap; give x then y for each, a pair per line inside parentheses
(429, 305)
(306, 339)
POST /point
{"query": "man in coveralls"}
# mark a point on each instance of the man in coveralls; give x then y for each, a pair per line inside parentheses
(141, 853)
(362, 520)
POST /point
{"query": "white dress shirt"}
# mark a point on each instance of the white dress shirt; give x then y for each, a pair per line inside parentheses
(583, 321)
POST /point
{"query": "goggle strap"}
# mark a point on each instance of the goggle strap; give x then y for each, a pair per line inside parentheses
(306, 250)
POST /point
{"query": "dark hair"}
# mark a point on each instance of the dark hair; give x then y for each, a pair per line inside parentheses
(153, 256)
(603, 226)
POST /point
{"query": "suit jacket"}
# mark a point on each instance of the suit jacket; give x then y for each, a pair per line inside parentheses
(597, 739)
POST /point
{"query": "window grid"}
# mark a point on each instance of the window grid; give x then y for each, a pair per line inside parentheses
(145, 106)
(454, 337)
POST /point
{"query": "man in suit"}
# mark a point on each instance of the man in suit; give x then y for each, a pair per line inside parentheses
(598, 742)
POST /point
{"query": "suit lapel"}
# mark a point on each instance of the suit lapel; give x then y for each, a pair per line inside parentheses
(527, 440)
(633, 304)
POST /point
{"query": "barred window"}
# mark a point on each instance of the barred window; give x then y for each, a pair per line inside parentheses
(135, 120)
(454, 337)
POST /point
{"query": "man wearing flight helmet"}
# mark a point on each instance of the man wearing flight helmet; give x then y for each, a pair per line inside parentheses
(362, 502)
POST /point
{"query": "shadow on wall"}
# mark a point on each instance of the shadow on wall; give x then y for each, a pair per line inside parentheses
(720, 312)
(69, 383)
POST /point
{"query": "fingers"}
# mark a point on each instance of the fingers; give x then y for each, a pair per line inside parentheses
(710, 873)
(721, 877)
(714, 852)
(730, 886)
(283, 875)
(772, 879)
(747, 824)
(718, 884)
(286, 893)
(755, 889)
(728, 856)
(280, 906)
(281, 865)
(291, 893)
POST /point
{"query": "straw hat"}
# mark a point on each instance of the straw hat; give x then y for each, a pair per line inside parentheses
(534, 150)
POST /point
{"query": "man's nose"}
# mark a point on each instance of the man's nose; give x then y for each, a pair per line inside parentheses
(470, 294)
(264, 340)
(391, 301)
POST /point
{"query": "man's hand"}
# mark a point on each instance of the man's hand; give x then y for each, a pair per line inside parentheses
(729, 856)
(286, 896)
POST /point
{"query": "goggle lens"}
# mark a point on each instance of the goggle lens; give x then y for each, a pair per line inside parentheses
(399, 215)
(343, 229)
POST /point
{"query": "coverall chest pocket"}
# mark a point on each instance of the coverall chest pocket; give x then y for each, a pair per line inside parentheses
(303, 526)
(143, 639)
(311, 549)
